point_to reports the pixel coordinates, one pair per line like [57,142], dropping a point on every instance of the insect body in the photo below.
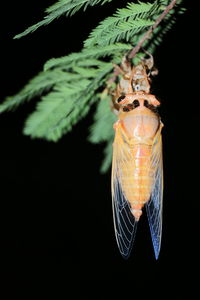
[137,171]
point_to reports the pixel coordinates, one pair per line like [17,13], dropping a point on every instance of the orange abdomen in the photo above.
[140,127]
[136,179]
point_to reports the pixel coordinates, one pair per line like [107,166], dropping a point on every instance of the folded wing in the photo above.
[124,222]
[155,204]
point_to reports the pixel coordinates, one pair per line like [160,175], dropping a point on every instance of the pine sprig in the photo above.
[104,118]
[102,129]
[124,31]
[107,160]
[72,6]
[46,80]
[123,24]
[87,53]
[66,105]
[36,86]
[61,7]
[53,108]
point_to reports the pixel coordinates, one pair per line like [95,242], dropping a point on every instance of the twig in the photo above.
[148,33]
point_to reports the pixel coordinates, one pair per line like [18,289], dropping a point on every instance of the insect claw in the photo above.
[154,72]
[118,69]
[149,62]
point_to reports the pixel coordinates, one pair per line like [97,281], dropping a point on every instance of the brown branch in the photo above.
[151,29]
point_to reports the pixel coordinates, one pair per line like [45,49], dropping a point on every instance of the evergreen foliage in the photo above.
[94,52]
[69,85]
[61,7]
[102,128]
[65,105]
[124,23]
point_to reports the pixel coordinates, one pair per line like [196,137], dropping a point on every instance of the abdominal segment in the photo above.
[136,179]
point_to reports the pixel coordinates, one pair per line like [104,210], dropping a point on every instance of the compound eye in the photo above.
[146,103]
[137,87]
[136,103]
[121,98]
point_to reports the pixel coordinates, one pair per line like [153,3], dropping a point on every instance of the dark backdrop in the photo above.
[56,209]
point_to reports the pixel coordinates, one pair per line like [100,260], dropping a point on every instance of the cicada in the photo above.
[137,165]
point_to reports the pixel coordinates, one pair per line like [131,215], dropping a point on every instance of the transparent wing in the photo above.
[124,222]
[154,205]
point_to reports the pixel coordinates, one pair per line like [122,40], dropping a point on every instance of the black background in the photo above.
[56,209]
